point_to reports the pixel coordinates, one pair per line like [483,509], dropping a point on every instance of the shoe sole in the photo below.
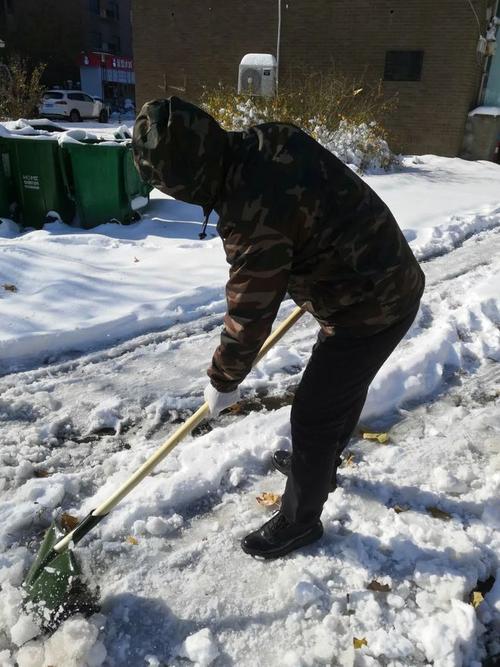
[301,541]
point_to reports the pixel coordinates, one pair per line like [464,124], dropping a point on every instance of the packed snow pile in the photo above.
[74,644]
[200,648]
[105,336]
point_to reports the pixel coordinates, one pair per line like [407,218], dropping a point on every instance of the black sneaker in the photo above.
[278,536]
[282,461]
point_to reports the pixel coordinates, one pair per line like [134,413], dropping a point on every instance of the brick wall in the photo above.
[203,43]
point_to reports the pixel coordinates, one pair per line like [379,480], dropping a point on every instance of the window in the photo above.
[114,45]
[95,6]
[87,98]
[51,95]
[76,97]
[95,40]
[403,65]
[113,11]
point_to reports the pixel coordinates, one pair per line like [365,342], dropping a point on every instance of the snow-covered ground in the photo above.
[105,336]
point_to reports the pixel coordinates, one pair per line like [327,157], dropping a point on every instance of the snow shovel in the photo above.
[54,586]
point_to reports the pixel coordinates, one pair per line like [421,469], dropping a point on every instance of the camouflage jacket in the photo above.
[293,219]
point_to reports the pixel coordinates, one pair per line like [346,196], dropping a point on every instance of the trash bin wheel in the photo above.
[15,212]
[74,116]
[103,116]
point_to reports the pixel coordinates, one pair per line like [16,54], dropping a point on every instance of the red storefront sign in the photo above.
[106,61]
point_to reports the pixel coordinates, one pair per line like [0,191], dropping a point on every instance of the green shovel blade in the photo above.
[53,585]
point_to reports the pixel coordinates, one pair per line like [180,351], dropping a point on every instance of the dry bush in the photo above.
[21,89]
[345,115]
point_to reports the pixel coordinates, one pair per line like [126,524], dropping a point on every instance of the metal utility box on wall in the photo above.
[482,134]
[257,75]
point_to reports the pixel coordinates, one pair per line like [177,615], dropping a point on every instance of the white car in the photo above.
[72,105]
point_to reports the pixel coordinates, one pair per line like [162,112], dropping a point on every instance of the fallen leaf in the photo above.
[359,643]
[40,473]
[9,288]
[378,587]
[400,508]
[68,522]
[350,460]
[235,409]
[476,598]
[267,499]
[132,540]
[381,438]
[438,514]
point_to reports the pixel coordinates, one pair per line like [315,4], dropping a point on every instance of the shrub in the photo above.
[20,89]
[346,116]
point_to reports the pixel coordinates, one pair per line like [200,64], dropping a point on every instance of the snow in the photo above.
[485,111]
[493,597]
[24,629]
[306,592]
[80,289]
[9,229]
[139,202]
[104,345]
[44,129]
[86,289]
[74,644]
[200,648]
[258,60]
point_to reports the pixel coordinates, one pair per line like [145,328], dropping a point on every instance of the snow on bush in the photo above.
[361,145]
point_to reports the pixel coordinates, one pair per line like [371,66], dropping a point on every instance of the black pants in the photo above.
[326,409]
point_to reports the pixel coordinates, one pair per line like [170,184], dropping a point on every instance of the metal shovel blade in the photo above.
[54,585]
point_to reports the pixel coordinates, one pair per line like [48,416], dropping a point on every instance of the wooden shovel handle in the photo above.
[169,444]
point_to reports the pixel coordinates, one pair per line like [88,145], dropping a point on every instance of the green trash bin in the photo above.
[39,185]
[7,191]
[104,182]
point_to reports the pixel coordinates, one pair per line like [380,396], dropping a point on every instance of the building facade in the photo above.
[423,50]
[85,44]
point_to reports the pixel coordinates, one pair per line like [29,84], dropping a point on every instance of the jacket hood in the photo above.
[179,149]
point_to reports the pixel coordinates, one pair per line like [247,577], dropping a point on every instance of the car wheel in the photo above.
[74,116]
[103,116]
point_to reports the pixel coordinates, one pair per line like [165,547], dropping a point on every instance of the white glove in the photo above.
[218,400]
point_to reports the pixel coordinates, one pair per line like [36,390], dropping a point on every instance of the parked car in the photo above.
[72,105]
[106,105]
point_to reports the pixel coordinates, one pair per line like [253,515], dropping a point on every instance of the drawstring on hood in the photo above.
[203,234]
[179,149]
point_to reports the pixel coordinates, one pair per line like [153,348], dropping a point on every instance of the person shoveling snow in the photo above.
[293,218]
